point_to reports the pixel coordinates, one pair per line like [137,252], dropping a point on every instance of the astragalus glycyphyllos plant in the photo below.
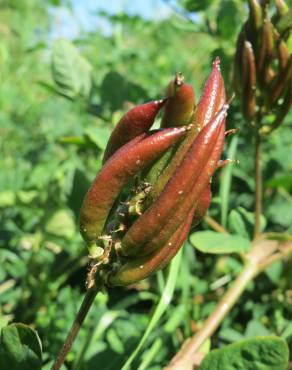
[154,185]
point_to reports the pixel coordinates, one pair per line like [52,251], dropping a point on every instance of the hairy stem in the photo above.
[83,311]
[258,184]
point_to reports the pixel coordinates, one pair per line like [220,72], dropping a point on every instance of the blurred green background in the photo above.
[68,71]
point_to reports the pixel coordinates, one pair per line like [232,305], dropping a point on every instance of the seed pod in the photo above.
[282,7]
[256,15]
[179,108]
[195,163]
[125,163]
[202,206]
[193,199]
[278,85]
[141,268]
[213,96]
[265,54]
[135,122]
[249,82]
[212,100]
[283,54]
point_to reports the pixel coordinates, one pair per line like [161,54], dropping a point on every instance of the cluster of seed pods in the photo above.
[263,63]
[154,185]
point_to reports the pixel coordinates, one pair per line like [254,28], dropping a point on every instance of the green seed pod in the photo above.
[255,15]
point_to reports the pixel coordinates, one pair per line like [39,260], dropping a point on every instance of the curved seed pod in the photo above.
[249,82]
[212,100]
[193,165]
[202,206]
[191,200]
[265,53]
[125,163]
[256,15]
[141,268]
[213,97]
[180,104]
[136,121]
[283,54]
[278,85]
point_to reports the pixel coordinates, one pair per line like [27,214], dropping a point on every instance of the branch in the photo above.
[215,225]
[83,311]
[262,255]
[258,184]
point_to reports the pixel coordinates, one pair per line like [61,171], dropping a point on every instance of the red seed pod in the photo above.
[125,163]
[213,97]
[141,268]
[202,206]
[194,171]
[195,199]
[249,82]
[135,122]
[180,104]
[211,102]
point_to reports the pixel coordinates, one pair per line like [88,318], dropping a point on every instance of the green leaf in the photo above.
[236,224]
[71,72]
[259,353]
[249,217]
[255,328]
[225,181]
[61,224]
[98,135]
[228,19]
[216,243]
[7,198]
[195,6]
[20,348]
[160,308]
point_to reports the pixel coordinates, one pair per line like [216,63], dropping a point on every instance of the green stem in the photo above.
[83,311]
[258,184]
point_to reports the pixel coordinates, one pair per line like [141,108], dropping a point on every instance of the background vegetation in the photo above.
[52,139]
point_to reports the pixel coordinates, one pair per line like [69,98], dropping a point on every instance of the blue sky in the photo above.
[84,16]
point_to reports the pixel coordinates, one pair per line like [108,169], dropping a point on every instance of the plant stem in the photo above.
[215,225]
[184,357]
[258,184]
[84,308]
[261,256]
